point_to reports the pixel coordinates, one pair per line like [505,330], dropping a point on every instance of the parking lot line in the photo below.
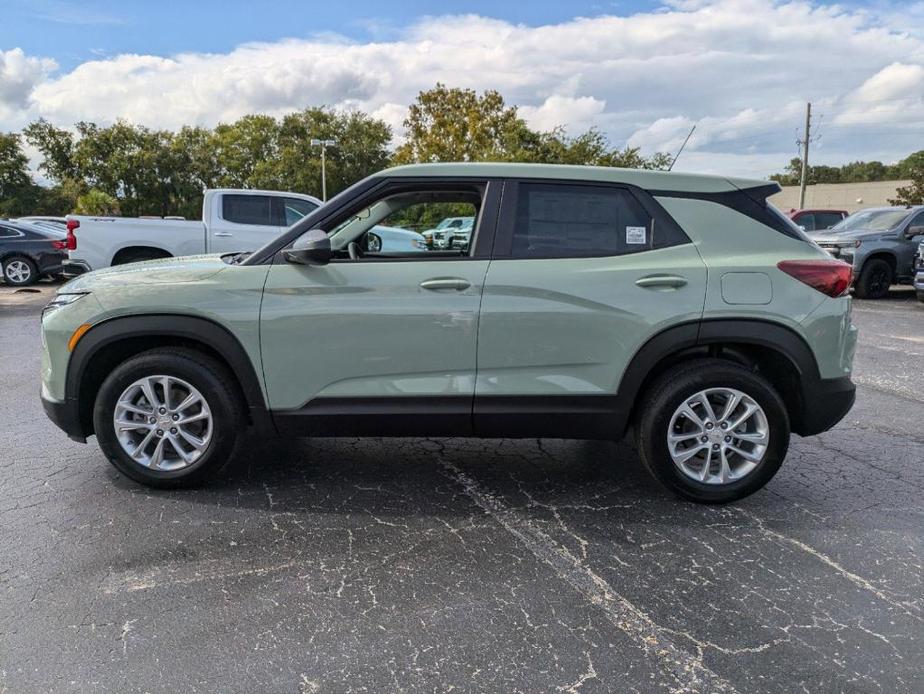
[687,670]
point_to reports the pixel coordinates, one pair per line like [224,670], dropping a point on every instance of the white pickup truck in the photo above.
[232,220]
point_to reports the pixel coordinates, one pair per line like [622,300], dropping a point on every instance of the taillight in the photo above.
[71,243]
[831,277]
[59,245]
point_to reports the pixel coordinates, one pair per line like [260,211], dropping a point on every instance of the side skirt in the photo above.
[573,417]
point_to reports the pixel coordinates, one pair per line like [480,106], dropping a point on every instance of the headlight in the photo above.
[63,300]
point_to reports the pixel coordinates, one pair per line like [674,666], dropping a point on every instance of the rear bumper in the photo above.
[72,268]
[66,417]
[825,404]
[51,263]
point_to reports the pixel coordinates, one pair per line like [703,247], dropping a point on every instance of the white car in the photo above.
[232,221]
[452,232]
[385,239]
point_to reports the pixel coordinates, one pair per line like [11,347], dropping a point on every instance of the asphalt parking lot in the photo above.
[435,565]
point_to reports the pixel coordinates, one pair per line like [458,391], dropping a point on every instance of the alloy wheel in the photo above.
[163,423]
[718,436]
[18,271]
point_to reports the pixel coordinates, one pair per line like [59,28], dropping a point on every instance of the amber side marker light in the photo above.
[75,338]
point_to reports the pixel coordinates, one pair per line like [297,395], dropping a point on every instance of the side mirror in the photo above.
[911,232]
[311,248]
[373,243]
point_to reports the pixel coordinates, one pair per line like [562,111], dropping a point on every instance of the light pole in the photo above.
[324,144]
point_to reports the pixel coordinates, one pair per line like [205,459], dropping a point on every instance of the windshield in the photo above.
[876,220]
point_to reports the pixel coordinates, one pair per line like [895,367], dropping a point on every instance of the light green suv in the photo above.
[590,301]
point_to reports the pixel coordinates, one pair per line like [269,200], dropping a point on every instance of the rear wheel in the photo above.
[20,271]
[712,431]
[168,417]
[874,280]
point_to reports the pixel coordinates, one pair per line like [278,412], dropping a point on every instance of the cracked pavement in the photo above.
[438,564]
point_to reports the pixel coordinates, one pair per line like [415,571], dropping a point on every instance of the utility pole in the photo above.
[805,152]
[324,144]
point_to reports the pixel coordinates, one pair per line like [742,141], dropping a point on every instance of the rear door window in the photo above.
[248,209]
[571,221]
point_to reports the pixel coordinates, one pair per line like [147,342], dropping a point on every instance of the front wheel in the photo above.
[874,280]
[712,431]
[168,417]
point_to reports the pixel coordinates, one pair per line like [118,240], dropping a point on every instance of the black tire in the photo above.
[670,390]
[874,280]
[210,378]
[14,261]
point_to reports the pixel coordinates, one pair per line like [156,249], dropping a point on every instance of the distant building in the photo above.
[839,196]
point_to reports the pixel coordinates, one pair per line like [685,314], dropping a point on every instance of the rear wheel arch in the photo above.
[112,342]
[772,349]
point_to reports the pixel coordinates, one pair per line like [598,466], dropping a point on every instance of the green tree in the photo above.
[15,181]
[447,124]
[361,149]
[97,202]
[913,193]
[57,148]
[450,124]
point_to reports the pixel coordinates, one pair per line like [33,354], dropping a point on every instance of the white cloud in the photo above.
[740,69]
[19,75]
[577,113]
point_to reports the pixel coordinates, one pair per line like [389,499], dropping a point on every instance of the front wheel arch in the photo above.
[112,342]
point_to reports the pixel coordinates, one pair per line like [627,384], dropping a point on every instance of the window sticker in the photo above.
[636,234]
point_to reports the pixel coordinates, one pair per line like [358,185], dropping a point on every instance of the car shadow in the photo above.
[404,476]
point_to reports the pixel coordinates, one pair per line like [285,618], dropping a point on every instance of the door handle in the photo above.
[661,281]
[223,233]
[441,283]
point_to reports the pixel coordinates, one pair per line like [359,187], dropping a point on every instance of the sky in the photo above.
[642,72]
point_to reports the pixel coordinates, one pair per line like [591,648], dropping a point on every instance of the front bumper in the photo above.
[846,254]
[65,416]
[825,404]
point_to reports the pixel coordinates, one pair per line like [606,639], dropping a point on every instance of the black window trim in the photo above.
[484,230]
[751,202]
[662,224]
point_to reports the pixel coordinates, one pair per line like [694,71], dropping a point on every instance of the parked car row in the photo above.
[880,243]
[30,250]
[919,273]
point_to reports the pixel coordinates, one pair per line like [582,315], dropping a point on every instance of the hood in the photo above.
[833,235]
[161,271]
